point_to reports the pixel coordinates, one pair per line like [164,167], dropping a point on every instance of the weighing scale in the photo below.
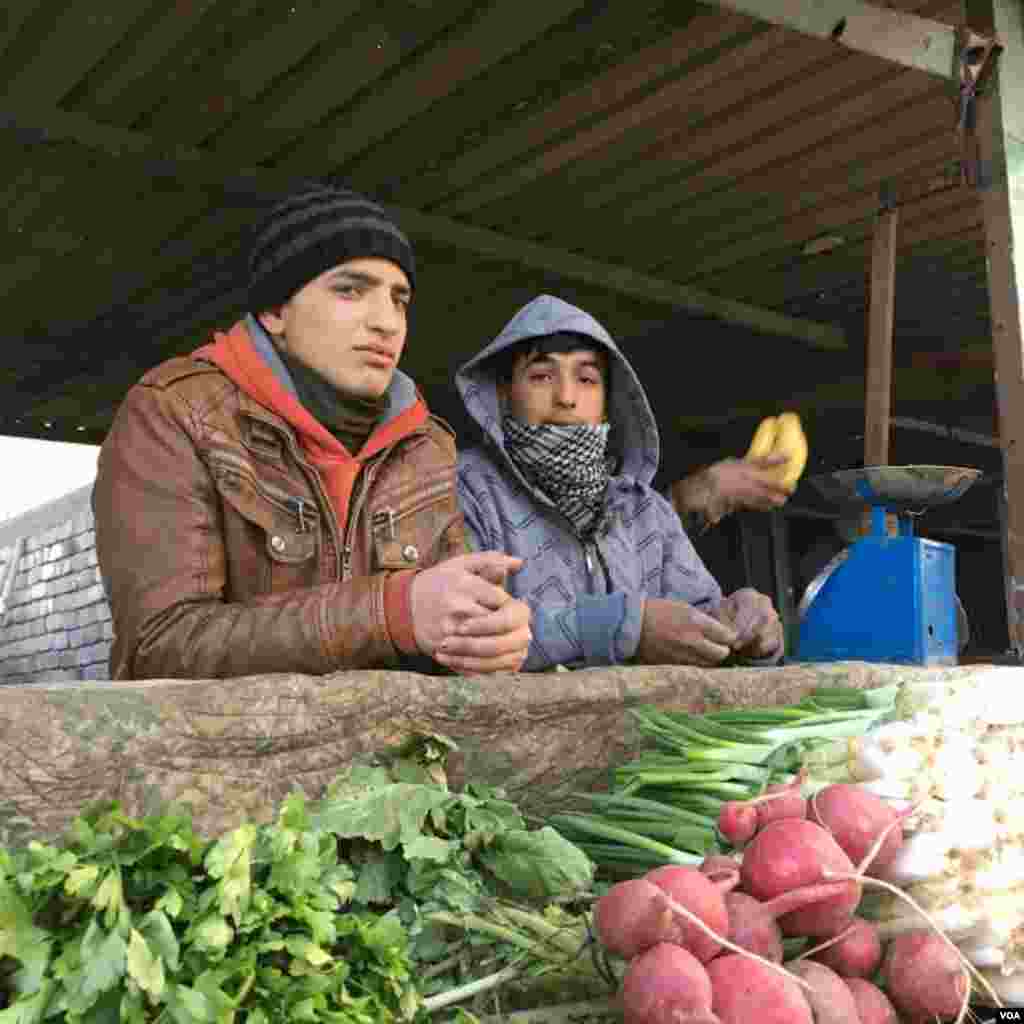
[886,598]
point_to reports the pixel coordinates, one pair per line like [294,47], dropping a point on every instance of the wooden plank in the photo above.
[839,166]
[832,219]
[905,39]
[66,51]
[881,308]
[947,216]
[53,223]
[1000,129]
[15,14]
[690,110]
[116,87]
[592,113]
[796,115]
[133,80]
[498,32]
[351,62]
[646,189]
[737,208]
[198,109]
[126,260]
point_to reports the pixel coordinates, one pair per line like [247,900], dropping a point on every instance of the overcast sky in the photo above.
[35,472]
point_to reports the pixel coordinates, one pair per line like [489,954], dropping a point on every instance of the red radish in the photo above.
[752,925]
[737,821]
[831,1001]
[856,818]
[666,985]
[745,991]
[703,898]
[633,916]
[716,862]
[924,976]
[786,802]
[791,854]
[857,954]
[873,1005]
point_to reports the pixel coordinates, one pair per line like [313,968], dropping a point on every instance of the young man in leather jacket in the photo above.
[281,499]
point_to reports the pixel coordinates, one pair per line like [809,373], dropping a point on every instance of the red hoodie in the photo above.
[236,355]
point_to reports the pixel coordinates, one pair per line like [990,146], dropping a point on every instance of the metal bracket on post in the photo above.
[976,56]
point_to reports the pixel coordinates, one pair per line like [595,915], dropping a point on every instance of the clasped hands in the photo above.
[465,619]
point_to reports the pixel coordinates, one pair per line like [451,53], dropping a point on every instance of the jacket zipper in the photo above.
[313,476]
[357,507]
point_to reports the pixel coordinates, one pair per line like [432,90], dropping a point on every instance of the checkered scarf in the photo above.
[566,463]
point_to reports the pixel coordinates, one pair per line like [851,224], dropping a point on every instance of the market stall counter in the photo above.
[232,749]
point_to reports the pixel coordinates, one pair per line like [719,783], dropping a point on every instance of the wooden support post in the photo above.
[878,371]
[998,126]
[881,306]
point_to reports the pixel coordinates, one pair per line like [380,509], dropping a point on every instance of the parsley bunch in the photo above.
[342,912]
[138,921]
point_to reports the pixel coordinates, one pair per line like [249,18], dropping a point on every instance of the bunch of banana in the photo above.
[781,435]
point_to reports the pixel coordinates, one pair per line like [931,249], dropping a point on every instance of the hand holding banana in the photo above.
[778,436]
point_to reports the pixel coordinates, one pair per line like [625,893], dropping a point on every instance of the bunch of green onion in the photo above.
[664,806]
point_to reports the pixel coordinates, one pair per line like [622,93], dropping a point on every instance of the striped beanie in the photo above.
[312,230]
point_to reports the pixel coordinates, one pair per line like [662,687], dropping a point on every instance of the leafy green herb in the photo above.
[352,911]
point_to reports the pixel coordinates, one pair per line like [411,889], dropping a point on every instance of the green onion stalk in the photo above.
[664,805]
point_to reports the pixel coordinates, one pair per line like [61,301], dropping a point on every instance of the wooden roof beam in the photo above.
[896,36]
[195,169]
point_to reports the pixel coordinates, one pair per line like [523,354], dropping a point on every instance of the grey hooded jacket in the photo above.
[587,600]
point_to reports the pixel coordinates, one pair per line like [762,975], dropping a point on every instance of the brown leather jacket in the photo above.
[218,546]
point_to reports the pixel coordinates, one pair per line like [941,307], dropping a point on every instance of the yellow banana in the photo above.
[790,440]
[764,438]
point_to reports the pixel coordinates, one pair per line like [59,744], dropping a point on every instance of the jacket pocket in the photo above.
[410,537]
[271,537]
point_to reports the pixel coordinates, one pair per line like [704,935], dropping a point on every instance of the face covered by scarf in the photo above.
[568,464]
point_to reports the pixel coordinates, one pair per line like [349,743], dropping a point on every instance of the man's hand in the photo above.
[464,619]
[676,633]
[748,483]
[758,627]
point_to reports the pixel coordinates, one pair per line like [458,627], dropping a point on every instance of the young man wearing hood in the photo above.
[281,500]
[563,481]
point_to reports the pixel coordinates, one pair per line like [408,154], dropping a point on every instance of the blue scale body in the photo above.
[891,600]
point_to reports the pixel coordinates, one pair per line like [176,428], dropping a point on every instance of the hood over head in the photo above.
[633,437]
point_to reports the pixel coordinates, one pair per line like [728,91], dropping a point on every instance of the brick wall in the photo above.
[57,626]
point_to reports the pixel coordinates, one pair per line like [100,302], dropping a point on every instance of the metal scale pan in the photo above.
[901,489]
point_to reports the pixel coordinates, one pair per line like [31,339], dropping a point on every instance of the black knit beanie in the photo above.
[312,230]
